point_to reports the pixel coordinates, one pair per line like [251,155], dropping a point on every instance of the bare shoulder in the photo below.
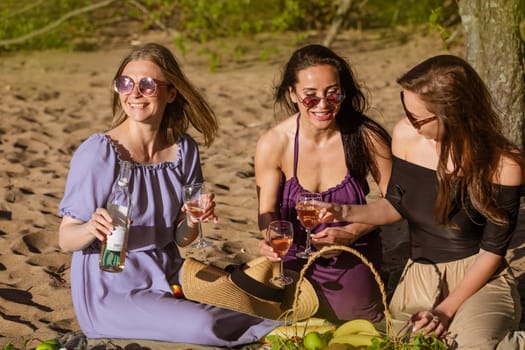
[275,139]
[510,172]
[404,137]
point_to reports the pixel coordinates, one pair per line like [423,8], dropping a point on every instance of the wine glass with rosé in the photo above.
[196,199]
[308,209]
[279,235]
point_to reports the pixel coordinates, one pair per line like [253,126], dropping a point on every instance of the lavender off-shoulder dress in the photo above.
[138,302]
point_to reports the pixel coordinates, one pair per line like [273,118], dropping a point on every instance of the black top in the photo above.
[413,189]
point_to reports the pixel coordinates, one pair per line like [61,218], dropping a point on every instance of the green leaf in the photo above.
[8,346]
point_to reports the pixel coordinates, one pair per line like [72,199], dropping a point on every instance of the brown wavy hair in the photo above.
[472,134]
[189,106]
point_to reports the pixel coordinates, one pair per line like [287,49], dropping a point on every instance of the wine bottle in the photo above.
[114,246]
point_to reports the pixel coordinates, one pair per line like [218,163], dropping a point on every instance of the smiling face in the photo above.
[320,81]
[141,108]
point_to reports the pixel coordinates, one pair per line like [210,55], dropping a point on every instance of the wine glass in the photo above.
[308,213]
[196,199]
[279,234]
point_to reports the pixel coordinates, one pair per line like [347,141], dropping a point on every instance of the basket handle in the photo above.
[377,278]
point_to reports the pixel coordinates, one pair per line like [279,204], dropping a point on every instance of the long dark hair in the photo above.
[472,133]
[351,120]
[189,106]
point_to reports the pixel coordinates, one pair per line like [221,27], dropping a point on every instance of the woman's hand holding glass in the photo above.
[199,204]
[208,213]
[308,209]
[266,250]
[333,212]
[279,235]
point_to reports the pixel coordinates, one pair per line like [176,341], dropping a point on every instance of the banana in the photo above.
[356,327]
[352,339]
[313,321]
[300,330]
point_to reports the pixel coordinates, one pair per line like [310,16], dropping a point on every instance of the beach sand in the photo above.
[53,100]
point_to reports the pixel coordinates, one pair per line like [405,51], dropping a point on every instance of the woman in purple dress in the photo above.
[327,146]
[153,105]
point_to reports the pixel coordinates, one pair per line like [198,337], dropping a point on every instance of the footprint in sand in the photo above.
[47,95]
[232,247]
[35,243]
[245,174]
[76,126]
[223,187]
[21,297]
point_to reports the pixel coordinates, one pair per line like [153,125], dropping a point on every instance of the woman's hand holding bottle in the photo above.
[100,225]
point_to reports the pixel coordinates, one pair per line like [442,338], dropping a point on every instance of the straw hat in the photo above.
[247,289]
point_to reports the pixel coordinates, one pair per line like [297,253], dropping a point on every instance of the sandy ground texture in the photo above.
[53,100]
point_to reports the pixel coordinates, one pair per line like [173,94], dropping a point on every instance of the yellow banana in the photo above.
[356,327]
[313,321]
[352,339]
[300,330]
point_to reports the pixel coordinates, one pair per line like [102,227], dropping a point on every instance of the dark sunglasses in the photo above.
[416,123]
[331,99]
[147,86]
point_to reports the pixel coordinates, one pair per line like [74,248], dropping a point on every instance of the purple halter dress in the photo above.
[345,286]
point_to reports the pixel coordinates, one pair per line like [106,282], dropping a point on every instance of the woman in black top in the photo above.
[456,179]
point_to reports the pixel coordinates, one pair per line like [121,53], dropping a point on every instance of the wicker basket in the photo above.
[388,317]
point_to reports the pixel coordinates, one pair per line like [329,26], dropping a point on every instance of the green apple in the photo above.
[313,341]
[51,344]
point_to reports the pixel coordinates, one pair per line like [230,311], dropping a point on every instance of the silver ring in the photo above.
[435,320]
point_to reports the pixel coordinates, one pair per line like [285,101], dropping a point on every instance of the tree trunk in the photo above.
[343,9]
[495,50]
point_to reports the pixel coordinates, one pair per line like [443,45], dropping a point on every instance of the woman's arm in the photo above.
[346,235]
[380,212]
[74,234]
[340,235]
[268,174]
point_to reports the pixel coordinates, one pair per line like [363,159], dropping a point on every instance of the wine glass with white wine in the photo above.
[196,199]
[308,209]
[279,235]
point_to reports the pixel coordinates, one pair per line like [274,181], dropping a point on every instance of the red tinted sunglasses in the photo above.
[147,86]
[331,99]
[416,123]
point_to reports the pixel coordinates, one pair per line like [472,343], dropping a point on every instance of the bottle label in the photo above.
[115,241]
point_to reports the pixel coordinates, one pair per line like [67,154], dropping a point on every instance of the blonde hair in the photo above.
[189,106]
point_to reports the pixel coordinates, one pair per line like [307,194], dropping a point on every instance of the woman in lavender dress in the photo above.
[153,105]
[327,146]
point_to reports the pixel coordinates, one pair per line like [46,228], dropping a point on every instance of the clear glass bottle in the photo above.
[113,250]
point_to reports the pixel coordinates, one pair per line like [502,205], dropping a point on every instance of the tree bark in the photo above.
[495,49]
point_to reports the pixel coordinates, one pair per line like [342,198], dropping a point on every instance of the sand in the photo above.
[53,100]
